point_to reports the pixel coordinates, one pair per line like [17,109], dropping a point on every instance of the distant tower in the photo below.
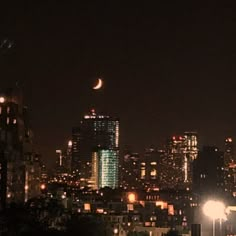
[63,163]
[95,150]
[190,154]
[177,163]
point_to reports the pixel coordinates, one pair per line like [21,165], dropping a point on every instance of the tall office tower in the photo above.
[208,171]
[95,150]
[15,146]
[229,167]
[173,164]
[12,137]
[68,161]
[190,154]
[130,171]
[150,168]
[177,162]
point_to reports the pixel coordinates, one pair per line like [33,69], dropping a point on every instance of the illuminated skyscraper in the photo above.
[176,164]
[63,164]
[95,150]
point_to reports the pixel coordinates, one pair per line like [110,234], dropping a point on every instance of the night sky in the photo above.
[167,67]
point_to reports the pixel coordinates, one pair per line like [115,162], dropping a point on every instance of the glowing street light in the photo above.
[214,210]
[115,231]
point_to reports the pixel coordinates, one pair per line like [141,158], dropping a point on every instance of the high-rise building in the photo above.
[177,162]
[150,168]
[16,150]
[12,134]
[95,150]
[209,171]
[63,164]
[130,171]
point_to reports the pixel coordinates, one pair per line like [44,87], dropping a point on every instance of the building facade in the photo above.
[130,171]
[177,162]
[16,148]
[229,167]
[209,171]
[95,151]
[150,168]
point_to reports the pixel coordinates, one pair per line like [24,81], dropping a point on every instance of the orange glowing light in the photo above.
[43,186]
[171,210]
[131,197]
[162,204]
[87,207]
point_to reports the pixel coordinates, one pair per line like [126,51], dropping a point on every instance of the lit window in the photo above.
[143,173]
[2,99]
[8,110]
[0,110]
[14,121]
[8,120]
[153,172]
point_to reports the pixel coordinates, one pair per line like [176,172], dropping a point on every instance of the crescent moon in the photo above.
[98,85]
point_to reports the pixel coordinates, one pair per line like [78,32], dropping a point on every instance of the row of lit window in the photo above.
[8,121]
[1,110]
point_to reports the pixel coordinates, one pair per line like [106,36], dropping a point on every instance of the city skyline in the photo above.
[117,118]
[167,68]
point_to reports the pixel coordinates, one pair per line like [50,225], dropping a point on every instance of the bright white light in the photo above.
[214,210]
[70,143]
[2,99]
[115,231]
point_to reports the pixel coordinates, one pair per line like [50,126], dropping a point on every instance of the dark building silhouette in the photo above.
[209,171]
[130,171]
[150,168]
[17,158]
